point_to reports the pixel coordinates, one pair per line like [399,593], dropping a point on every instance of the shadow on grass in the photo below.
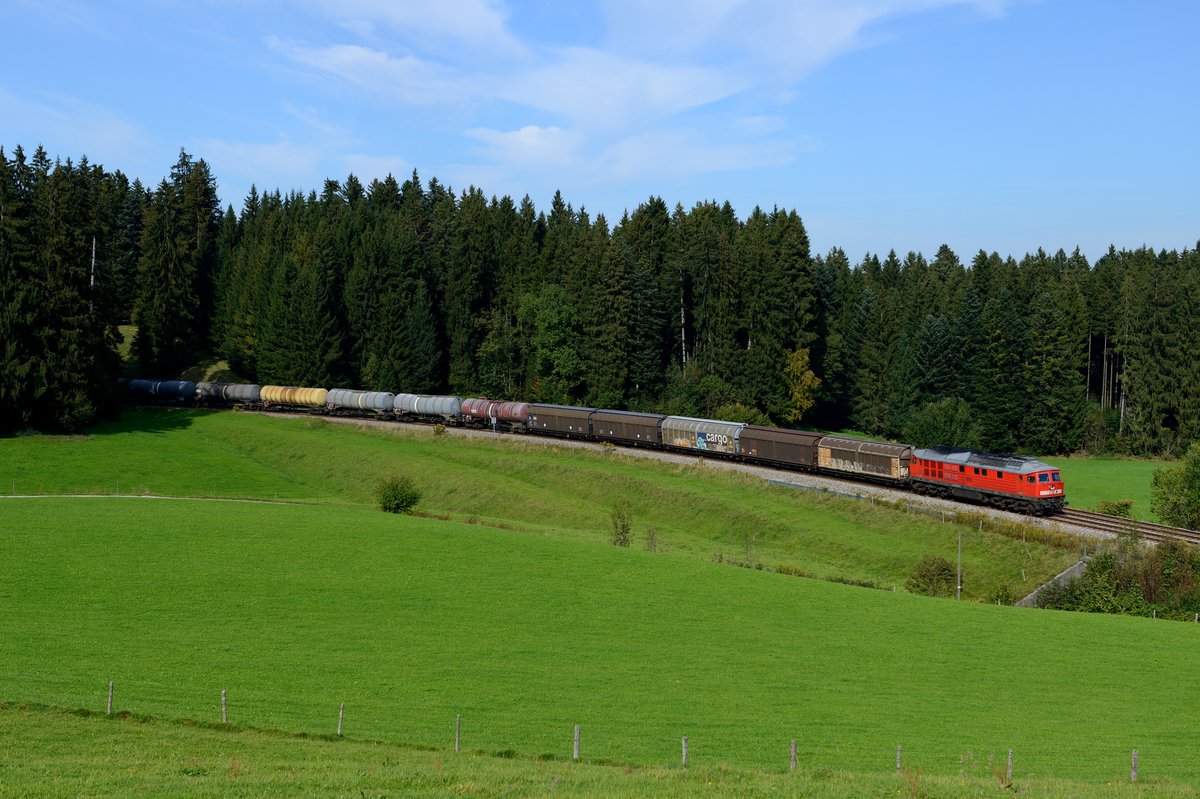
[155,421]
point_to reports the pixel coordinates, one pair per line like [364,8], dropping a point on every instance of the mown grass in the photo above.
[1090,480]
[695,510]
[294,609]
[49,753]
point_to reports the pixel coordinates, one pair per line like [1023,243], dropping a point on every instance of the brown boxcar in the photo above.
[776,445]
[878,459]
[560,420]
[627,427]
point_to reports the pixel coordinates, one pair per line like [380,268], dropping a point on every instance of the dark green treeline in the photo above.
[415,287]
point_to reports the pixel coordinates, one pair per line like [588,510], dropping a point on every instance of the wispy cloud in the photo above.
[624,104]
[73,127]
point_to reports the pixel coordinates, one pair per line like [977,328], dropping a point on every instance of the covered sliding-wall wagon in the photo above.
[627,427]
[776,445]
[878,459]
[560,420]
[708,435]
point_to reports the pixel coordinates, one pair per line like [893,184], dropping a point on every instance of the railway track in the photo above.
[1117,526]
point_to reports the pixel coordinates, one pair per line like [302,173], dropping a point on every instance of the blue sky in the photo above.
[997,124]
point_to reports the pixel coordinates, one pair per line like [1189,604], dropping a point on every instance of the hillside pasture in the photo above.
[695,510]
[295,609]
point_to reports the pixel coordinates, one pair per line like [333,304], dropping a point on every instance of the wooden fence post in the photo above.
[224,711]
[110,693]
[793,761]
[575,749]
[341,715]
[1133,770]
[899,749]
[685,751]
[457,730]
[1008,774]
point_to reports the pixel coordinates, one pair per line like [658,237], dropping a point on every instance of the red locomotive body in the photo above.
[1004,481]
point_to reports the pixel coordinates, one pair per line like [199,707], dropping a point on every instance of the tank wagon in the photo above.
[168,391]
[295,395]
[228,393]
[353,400]
[421,405]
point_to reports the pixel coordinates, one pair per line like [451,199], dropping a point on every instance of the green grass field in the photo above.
[528,623]
[295,609]
[49,753]
[696,510]
[1090,480]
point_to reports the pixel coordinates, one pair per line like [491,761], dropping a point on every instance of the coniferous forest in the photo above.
[415,286]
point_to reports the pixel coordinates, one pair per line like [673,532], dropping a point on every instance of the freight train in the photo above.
[1009,482]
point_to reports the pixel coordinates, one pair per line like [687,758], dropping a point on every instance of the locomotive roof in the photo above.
[1007,463]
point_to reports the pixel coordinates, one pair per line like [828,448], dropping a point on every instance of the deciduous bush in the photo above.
[622,526]
[932,576]
[1116,507]
[397,494]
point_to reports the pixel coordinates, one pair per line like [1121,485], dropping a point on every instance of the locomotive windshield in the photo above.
[1043,477]
[1055,477]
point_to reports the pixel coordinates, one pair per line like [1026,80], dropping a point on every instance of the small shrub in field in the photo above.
[652,540]
[397,494]
[439,429]
[932,576]
[1116,507]
[1001,595]
[622,526]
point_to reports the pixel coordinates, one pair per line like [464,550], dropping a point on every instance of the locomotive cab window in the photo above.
[1043,477]
[1029,478]
[962,468]
[1055,477]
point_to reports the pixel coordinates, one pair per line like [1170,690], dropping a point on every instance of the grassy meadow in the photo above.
[506,604]
[1090,480]
[695,510]
[49,753]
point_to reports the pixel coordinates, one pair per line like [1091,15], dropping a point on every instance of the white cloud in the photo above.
[408,78]
[478,24]
[606,90]
[529,147]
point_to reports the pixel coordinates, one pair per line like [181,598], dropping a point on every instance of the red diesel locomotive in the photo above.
[1009,482]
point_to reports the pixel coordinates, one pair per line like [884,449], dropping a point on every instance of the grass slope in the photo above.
[50,754]
[295,609]
[696,510]
[1090,480]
